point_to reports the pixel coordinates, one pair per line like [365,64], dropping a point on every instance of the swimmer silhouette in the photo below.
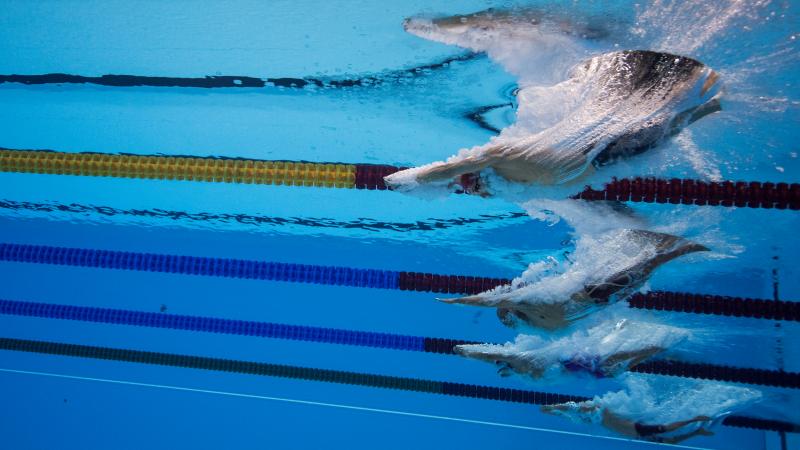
[611,106]
[511,23]
[605,350]
[671,416]
[599,283]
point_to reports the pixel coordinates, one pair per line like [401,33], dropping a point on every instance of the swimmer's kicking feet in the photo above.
[669,414]
[638,430]
[611,277]
[619,104]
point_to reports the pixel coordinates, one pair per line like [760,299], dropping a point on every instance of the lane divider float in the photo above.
[370,278]
[392,341]
[370,176]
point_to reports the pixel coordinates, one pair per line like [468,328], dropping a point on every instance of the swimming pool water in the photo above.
[409,122]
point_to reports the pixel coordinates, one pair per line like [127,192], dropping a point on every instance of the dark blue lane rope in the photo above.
[382,279]
[214,325]
[778,378]
[195,265]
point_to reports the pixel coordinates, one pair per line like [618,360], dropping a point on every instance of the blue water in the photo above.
[754,138]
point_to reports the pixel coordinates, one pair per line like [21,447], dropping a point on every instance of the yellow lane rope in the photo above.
[179,168]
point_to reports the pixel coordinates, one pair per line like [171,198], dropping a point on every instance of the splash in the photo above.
[603,350]
[686,27]
[603,269]
[647,400]
[544,48]
[700,160]
[595,260]
[611,107]
[536,45]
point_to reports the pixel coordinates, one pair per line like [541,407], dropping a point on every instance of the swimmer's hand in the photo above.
[402,181]
[410,179]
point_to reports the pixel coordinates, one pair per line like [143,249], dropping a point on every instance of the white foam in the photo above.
[561,128]
[686,26]
[701,161]
[652,401]
[595,259]
[607,339]
[537,53]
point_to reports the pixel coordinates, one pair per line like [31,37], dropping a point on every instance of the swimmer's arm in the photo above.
[635,356]
[449,170]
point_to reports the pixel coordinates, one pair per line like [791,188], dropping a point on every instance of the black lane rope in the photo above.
[765,377]
[370,278]
[228,81]
[363,223]
[332,376]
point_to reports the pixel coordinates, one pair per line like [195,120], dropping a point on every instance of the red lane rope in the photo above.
[741,194]
[752,194]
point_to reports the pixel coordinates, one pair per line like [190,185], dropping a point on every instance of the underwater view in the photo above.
[467,224]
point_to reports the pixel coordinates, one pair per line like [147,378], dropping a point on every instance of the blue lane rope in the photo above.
[214,325]
[197,265]
[778,378]
[370,278]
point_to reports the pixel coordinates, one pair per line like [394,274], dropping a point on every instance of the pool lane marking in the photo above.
[740,194]
[335,405]
[372,339]
[302,373]
[369,278]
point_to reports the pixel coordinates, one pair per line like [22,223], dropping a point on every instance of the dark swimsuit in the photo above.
[590,365]
[649,430]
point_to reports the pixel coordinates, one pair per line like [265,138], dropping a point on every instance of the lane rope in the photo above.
[370,176]
[370,278]
[220,81]
[331,376]
[766,377]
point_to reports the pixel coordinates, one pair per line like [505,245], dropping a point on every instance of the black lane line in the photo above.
[227,81]
[367,224]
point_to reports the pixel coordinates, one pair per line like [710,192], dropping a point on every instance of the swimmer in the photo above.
[671,416]
[612,268]
[474,30]
[603,351]
[612,106]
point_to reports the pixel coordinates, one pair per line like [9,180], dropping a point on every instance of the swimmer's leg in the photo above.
[680,438]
